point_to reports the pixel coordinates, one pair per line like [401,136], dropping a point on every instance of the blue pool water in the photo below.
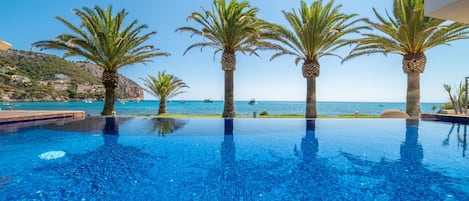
[240,159]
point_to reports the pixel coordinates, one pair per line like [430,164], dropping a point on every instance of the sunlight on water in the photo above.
[52,155]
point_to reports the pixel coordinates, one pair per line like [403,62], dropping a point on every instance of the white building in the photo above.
[455,10]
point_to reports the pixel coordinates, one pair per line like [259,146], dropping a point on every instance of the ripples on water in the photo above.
[236,159]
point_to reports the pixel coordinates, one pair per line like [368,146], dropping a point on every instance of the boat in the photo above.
[182,101]
[252,102]
[87,101]
[208,100]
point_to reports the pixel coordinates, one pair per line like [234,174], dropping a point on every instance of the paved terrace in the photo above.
[37,116]
[456,118]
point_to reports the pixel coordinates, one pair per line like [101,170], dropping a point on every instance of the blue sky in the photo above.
[369,78]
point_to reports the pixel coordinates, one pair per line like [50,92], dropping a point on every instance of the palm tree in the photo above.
[165,126]
[451,97]
[409,33]
[229,28]
[104,39]
[317,31]
[164,87]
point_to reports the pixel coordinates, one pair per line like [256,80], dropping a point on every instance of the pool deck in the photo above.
[22,116]
[456,118]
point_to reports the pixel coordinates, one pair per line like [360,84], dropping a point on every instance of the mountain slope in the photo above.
[31,76]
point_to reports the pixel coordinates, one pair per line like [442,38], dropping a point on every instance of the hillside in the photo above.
[31,76]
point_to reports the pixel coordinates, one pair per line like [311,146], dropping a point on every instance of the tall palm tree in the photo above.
[409,33]
[103,38]
[163,87]
[317,30]
[229,28]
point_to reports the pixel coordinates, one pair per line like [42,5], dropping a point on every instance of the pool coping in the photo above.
[23,116]
[446,118]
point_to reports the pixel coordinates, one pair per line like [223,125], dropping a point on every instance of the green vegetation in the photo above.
[229,28]
[457,99]
[409,33]
[263,113]
[37,67]
[164,87]
[447,106]
[316,31]
[42,70]
[106,40]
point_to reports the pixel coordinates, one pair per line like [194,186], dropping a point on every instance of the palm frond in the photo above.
[316,30]
[164,86]
[103,39]
[231,26]
[407,31]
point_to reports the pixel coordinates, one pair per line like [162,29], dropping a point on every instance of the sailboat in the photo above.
[252,102]
[182,99]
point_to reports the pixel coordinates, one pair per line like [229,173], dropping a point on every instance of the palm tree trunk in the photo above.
[110,80]
[413,94]
[228,109]
[228,63]
[413,64]
[109,99]
[311,98]
[448,89]
[162,108]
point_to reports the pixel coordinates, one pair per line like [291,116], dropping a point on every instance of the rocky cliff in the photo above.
[128,88]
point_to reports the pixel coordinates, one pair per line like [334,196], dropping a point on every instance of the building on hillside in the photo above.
[90,88]
[20,79]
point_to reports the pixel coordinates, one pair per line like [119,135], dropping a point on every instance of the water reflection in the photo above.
[411,150]
[461,137]
[312,178]
[110,132]
[164,126]
[309,143]
[407,178]
[110,172]
[229,188]
[228,149]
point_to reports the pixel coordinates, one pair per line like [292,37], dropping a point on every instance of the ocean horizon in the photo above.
[200,107]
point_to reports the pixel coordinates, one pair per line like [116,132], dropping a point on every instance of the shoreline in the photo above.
[288,116]
[178,101]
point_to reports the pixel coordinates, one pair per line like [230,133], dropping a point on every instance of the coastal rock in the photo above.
[394,114]
[129,88]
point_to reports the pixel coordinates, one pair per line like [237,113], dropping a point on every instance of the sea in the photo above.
[147,107]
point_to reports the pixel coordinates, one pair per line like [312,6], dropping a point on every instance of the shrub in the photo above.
[447,106]
[264,113]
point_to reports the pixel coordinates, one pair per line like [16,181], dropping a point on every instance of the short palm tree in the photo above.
[104,39]
[409,33]
[163,87]
[229,28]
[317,30]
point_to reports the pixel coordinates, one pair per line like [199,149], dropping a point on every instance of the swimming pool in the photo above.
[235,159]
